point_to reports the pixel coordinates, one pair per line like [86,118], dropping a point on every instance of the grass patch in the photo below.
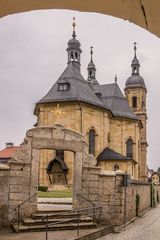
[56,194]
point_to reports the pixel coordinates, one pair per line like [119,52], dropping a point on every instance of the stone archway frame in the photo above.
[56,137]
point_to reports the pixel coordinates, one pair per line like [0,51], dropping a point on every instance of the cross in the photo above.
[58,112]
[74,23]
[91,52]
[116,78]
[135,48]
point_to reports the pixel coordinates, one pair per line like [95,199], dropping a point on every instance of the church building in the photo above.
[114,125]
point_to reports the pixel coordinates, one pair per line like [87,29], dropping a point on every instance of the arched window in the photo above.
[116,167]
[76,56]
[92,141]
[129,148]
[90,74]
[72,56]
[135,70]
[134,102]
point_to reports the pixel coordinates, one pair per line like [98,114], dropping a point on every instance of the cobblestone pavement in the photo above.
[146,227]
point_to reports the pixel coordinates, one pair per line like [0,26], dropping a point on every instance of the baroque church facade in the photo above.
[114,125]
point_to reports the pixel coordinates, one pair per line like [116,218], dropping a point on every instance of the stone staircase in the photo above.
[57,220]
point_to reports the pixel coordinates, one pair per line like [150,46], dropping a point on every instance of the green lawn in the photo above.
[56,194]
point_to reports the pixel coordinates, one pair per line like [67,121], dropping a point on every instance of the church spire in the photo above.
[91,68]
[91,52]
[73,48]
[115,78]
[135,80]
[135,63]
[135,49]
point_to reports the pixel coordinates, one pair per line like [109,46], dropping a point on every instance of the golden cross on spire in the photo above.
[135,48]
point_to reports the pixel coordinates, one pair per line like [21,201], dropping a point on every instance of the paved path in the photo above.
[144,228]
[56,200]
[54,204]
[8,234]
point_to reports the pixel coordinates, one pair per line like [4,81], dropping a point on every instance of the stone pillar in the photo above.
[4,194]
[19,188]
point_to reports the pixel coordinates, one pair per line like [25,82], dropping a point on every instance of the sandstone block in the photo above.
[15,188]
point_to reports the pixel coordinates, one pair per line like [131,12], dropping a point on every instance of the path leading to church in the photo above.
[144,228]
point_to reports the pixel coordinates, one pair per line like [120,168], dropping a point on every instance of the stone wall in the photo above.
[105,188]
[4,193]
[155,195]
[19,189]
[143,191]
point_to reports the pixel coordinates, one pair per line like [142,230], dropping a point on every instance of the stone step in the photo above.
[57,227]
[56,201]
[54,207]
[30,221]
[54,214]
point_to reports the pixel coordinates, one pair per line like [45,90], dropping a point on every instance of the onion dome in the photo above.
[135,80]
[73,48]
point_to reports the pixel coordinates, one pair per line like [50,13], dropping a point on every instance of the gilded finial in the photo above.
[91,52]
[115,78]
[135,48]
[74,26]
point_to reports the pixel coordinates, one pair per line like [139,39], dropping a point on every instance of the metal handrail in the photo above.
[69,220]
[19,205]
[93,205]
[71,211]
[79,195]
[19,208]
[45,218]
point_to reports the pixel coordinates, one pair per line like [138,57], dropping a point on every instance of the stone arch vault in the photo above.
[144,13]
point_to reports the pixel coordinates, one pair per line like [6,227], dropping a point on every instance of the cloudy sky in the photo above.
[33,55]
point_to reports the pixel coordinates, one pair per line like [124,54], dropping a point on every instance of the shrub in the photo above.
[137,203]
[42,188]
[154,196]
[157,197]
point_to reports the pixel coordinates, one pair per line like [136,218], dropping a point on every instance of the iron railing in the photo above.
[77,219]
[18,208]
[89,201]
[85,212]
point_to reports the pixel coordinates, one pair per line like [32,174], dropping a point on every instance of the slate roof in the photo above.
[109,154]
[135,81]
[80,90]
[113,99]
